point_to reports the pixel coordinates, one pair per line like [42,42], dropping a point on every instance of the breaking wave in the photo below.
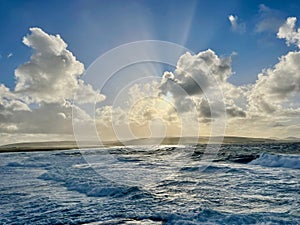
[277,160]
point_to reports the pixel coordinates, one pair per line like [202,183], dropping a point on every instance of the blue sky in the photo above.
[92,27]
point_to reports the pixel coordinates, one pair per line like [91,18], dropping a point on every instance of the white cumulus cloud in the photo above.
[197,77]
[289,32]
[52,74]
[276,85]
[45,87]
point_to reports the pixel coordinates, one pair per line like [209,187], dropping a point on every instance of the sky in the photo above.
[250,48]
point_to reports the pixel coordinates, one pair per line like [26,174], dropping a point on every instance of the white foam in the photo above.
[277,160]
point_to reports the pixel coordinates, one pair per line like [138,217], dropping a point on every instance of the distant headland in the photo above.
[66,145]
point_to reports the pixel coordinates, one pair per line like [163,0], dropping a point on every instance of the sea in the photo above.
[184,185]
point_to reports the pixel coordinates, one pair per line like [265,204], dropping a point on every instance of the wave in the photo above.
[85,181]
[277,160]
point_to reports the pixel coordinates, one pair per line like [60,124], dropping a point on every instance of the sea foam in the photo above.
[277,160]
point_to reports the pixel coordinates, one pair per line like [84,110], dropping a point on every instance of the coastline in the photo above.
[68,145]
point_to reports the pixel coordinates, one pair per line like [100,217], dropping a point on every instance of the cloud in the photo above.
[197,73]
[236,25]
[288,32]
[9,106]
[199,82]
[51,118]
[9,101]
[52,74]
[12,138]
[45,87]
[86,94]
[276,85]
[197,91]
[17,117]
[269,20]
[235,111]
[108,115]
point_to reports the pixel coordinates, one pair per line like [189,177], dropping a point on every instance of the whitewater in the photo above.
[238,184]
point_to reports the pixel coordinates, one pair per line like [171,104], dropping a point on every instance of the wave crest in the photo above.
[277,160]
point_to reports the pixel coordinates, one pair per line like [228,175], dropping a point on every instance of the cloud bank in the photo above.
[45,87]
[41,102]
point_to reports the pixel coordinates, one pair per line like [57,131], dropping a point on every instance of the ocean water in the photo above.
[239,184]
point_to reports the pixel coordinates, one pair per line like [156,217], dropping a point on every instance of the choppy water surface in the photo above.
[241,184]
